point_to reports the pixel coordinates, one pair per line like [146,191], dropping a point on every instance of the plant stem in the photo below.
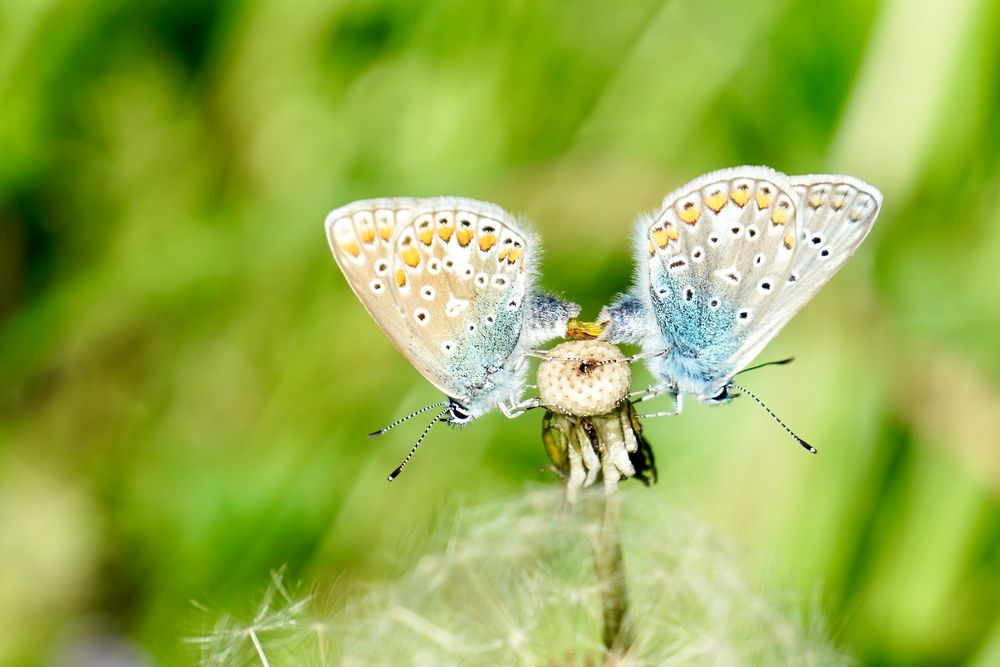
[609,566]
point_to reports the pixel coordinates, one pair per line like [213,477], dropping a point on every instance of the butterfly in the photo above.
[725,263]
[452,282]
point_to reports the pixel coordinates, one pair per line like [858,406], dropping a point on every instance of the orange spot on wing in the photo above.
[779,216]
[487,241]
[445,232]
[716,200]
[385,231]
[513,255]
[763,199]
[367,235]
[411,256]
[789,240]
[426,236]
[351,247]
[464,236]
[662,237]
[690,213]
[740,195]
[400,277]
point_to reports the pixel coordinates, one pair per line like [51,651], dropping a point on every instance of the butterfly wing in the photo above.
[360,236]
[836,213]
[460,279]
[713,256]
[453,289]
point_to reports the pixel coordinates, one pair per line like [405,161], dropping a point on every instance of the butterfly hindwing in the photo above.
[460,278]
[715,252]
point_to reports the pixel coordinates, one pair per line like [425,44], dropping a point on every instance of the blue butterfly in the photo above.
[725,263]
[452,282]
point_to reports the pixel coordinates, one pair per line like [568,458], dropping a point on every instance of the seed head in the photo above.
[574,381]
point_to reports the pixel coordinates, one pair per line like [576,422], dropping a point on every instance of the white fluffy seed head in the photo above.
[572,381]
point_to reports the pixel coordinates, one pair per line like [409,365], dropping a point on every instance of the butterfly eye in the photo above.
[722,395]
[457,414]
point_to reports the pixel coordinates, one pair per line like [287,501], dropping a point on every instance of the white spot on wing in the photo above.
[455,307]
[729,275]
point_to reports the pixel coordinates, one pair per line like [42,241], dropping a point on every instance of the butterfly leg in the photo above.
[511,409]
[650,392]
[678,402]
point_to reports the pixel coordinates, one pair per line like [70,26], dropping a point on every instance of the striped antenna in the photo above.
[805,445]
[395,473]
[399,421]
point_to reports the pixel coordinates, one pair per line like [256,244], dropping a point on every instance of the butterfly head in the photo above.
[457,414]
[719,394]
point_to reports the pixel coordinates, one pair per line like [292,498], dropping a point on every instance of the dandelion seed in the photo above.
[691,600]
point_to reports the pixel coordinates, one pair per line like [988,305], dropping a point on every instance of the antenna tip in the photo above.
[375,434]
[394,474]
[805,445]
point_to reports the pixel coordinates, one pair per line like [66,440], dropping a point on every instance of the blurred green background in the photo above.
[186,379]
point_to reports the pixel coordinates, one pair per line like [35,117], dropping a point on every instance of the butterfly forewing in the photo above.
[836,213]
[360,236]
[460,279]
[716,252]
